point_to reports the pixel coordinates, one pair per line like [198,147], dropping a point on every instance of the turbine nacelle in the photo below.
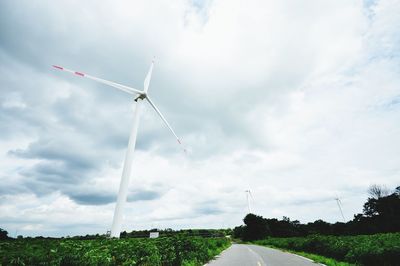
[141,96]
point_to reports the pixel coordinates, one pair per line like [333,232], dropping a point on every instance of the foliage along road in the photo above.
[253,255]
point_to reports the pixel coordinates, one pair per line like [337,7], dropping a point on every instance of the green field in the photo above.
[177,250]
[368,250]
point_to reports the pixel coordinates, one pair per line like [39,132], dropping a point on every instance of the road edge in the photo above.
[293,253]
[219,254]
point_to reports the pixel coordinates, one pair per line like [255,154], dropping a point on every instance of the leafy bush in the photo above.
[177,250]
[369,250]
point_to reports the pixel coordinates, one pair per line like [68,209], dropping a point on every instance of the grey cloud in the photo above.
[143,195]
[15,118]
[53,150]
[103,197]
[208,208]
[55,173]
[11,187]
[92,198]
[63,162]
[61,27]
[48,177]
[62,159]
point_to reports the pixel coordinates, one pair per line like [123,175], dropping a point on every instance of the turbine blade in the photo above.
[339,203]
[109,83]
[165,121]
[148,77]
[251,195]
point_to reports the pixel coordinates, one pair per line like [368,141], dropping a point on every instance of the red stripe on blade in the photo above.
[58,67]
[79,74]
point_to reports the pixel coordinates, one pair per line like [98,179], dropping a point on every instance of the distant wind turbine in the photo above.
[339,204]
[140,95]
[248,195]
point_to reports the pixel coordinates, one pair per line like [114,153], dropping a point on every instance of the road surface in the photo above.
[252,255]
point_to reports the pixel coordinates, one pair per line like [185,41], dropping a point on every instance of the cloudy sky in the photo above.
[298,101]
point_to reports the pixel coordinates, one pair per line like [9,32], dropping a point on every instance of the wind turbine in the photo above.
[248,195]
[139,96]
[339,204]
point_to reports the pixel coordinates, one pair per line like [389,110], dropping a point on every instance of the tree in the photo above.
[378,191]
[397,191]
[385,206]
[3,234]
[370,207]
[383,213]
[319,227]
[123,234]
[238,232]
[256,227]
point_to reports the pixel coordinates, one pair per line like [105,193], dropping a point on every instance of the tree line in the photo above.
[139,234]
[184,232]
[381,214]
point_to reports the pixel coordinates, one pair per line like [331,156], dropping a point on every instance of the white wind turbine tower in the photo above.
[140,95]
[339,204]
[248,195]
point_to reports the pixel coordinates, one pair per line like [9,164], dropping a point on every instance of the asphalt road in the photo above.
[252,255]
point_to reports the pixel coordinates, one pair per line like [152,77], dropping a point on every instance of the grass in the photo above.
[322,259]
[368,250]
[315,257]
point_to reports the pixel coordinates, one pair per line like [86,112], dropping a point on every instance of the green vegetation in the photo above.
[169,232]
[177,250]
[379,249]
[322,259]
